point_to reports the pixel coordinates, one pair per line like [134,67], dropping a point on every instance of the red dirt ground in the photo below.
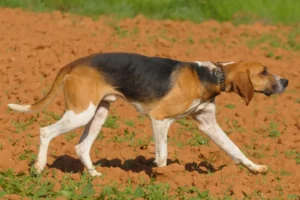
[34,46]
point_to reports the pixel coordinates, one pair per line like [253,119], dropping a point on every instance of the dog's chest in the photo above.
[196,106]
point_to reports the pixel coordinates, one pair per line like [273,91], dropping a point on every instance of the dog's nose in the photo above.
[284,82]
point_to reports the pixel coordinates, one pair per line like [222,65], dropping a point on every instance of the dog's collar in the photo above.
[221,78]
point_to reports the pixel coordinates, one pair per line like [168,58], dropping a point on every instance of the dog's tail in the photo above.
[49,97]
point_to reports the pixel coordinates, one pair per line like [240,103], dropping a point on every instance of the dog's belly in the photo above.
[196,106]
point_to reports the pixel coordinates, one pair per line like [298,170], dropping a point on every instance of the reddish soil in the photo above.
[34,46]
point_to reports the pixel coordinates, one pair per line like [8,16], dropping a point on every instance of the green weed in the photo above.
[111,122]
[293,197]
[128,136]
[70,136]
[100,136]
[130,123]
[293,154]
[121,32]
[273,132]
[22,126]
[197,140]
[230,106]
[234,126]
[27,155]
[52,115]
[190,40]
[188,125]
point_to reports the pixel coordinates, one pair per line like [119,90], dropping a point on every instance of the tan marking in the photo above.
[186,89]
[85,85]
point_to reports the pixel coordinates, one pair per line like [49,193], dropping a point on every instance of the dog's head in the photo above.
[247,77]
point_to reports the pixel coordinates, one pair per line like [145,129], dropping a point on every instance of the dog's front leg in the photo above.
[160,134]
[208,124]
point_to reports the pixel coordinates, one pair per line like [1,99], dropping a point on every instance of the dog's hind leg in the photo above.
[82,98]
[90,133]
[68,122]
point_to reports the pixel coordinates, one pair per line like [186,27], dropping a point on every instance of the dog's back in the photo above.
[139,78]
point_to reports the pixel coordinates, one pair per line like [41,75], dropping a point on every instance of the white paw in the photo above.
[95,173]
[39,167]
[262,169]
[259,168]
[161,162]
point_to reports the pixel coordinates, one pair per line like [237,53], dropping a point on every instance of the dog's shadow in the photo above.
[203,167]
[66,163]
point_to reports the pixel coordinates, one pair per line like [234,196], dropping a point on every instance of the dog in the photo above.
[162,89]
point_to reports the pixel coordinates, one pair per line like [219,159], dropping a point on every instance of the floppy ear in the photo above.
[243,87]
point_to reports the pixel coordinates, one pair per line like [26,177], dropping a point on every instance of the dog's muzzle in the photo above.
[284,82]
[277,88]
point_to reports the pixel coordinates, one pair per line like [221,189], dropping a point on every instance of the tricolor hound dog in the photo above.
[160,88]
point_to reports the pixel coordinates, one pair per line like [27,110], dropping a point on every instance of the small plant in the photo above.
[188,125]
[230,106]
[70,136]
[22,126]
[129,123]
[128,136]
[141,118]
[121,32]
[273,132]
[269,55]
[27,155]
[100,136]
[140,143]
[293,197]
[179,144]
[190,40]
[111,122]
[198,140]
[52,115]
[293,154]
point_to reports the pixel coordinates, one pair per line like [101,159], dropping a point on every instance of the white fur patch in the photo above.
[20,108]
[226,63]
[207,64]
[110,98]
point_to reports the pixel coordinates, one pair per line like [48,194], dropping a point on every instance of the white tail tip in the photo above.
[20,108]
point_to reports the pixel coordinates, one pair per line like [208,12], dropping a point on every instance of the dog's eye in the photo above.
[264,73]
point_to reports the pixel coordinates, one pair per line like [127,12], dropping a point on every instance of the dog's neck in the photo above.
[225,76]
[228,73]
[221,78]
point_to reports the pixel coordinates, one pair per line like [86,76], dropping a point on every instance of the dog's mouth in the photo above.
[268,93]
[276,89]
